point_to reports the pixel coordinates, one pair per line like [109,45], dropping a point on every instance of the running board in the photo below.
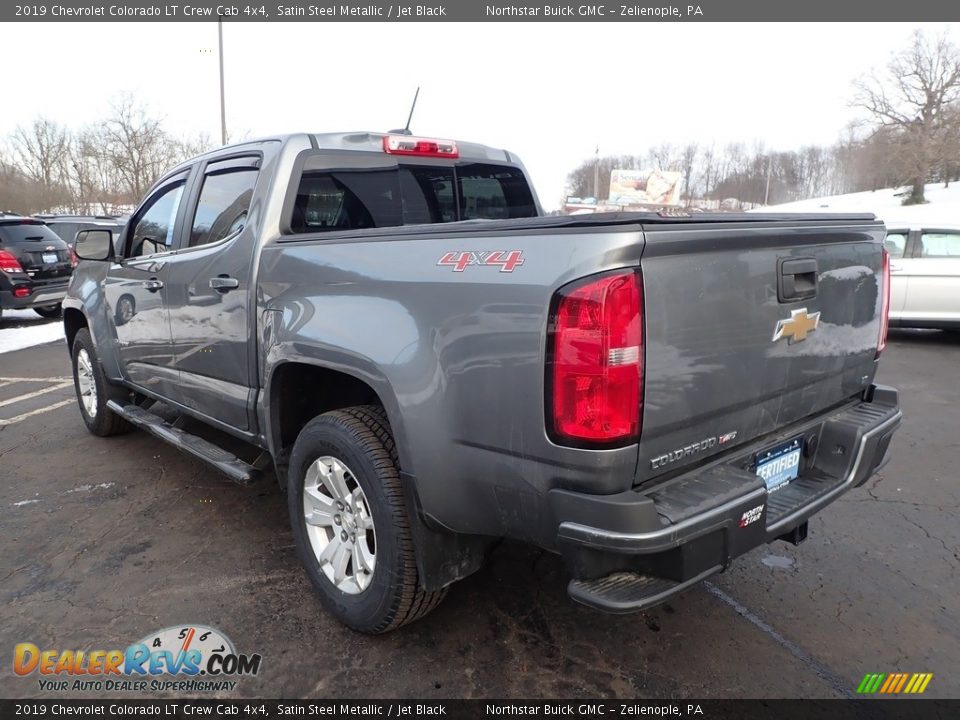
[218,458]
[626,592]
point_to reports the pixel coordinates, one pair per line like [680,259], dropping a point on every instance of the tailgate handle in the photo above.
[796,279]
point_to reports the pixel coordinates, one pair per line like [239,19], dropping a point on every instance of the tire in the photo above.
[50,311]
[88,373]
[359,439]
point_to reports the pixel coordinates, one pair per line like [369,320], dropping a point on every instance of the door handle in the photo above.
[224,283]
[895,268]
[796,279]
[153,284]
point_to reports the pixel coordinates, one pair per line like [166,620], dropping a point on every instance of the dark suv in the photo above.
[67,226]
[35,266]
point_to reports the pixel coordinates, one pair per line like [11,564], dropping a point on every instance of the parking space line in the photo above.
[48,408]
[35,393]
[9,380]
[840,684]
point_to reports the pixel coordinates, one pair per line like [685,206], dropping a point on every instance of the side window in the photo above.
[153,232]
[895,244]
[940,245]
[223,205]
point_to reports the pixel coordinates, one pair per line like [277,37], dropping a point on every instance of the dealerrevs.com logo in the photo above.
[190,658]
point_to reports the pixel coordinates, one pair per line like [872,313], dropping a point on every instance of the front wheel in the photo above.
[350,521]
[93,389]
[50,311]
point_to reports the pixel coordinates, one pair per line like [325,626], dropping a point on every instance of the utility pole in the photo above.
[766,193]
[596,173]
[223,107]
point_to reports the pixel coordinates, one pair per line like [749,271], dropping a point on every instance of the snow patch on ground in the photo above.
[88,488]
[21,329]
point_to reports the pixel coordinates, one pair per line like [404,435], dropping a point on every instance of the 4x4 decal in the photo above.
[460,260]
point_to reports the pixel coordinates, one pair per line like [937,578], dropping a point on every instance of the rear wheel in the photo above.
[93,389]
[50,311]
[350,522]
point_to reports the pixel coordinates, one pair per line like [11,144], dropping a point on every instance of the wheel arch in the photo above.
[297,390]
[73,321]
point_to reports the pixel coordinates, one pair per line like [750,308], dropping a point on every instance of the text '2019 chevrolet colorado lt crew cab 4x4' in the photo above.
[429,366]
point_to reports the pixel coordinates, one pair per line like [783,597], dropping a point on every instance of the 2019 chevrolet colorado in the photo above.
[429,365]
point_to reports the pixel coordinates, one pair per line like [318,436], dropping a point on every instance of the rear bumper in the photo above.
[632,550]
[41,296]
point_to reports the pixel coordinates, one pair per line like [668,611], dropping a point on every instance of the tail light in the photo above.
[74,260]
[422,147]
[21,291]
[884,302]
[595,361]
[9,262]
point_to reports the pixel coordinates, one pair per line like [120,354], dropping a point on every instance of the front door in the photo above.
[136,293]
[896,244]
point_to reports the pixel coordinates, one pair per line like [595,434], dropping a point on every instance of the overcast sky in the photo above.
[551,92]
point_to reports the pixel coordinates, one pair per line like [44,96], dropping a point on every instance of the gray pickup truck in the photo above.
[427,364]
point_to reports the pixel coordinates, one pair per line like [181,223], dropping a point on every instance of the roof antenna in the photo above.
[406,129]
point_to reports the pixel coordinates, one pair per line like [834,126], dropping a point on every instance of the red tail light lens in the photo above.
[9,263]
[595,366]
[21,291]
[884,302]
[73,256]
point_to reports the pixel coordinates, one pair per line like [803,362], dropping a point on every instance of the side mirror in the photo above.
[94,245]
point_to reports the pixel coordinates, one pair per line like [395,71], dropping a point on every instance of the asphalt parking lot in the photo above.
[107,540]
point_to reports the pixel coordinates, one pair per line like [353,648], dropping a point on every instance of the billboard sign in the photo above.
[645,187]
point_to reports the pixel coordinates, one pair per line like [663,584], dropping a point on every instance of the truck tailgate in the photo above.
[751,327]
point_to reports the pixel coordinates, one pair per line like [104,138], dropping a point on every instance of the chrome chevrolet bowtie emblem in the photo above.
[797,326]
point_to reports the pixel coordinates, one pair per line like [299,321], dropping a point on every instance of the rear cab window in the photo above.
[409,194]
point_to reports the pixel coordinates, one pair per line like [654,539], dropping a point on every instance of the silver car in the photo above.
[925,273]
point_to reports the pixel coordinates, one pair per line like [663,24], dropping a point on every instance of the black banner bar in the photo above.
[876,709]
[483,11]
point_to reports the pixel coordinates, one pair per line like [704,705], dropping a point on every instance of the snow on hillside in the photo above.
[942,206]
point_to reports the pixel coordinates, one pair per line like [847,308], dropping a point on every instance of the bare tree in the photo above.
[911,98]
[19,193]
[688,162]
[137,146]
[709,170]
[40,153]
